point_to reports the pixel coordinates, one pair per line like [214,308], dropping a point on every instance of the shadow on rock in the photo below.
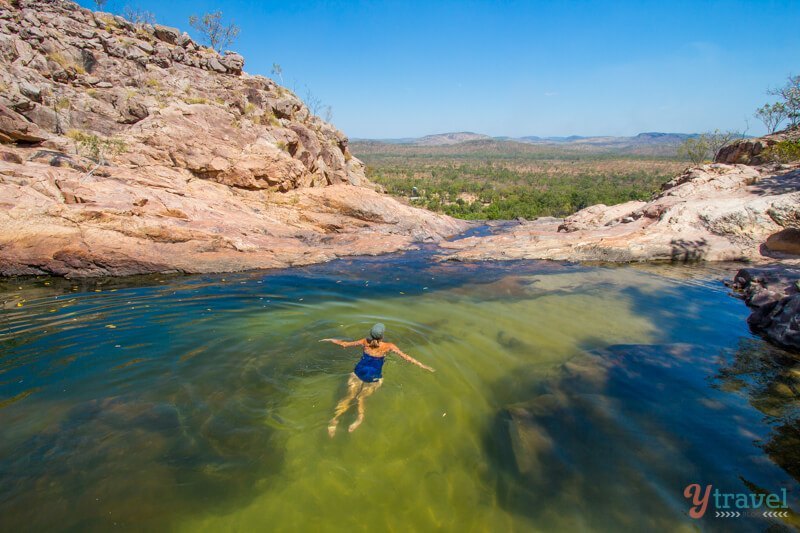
[778,183]
[684,251]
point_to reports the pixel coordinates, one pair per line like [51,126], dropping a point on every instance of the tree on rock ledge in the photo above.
[771,115]
[217,35]
[790,94]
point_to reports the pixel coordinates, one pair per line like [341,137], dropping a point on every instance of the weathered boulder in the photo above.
[751,151]
[31,91]
[233,62]
[214,64]
[166,34]
[785,241]
[15,128]
[285,106]
[773,294]
[745,152]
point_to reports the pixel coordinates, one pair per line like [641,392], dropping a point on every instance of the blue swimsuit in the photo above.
[369,368]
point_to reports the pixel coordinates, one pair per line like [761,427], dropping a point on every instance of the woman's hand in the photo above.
[327,340]
[429,369]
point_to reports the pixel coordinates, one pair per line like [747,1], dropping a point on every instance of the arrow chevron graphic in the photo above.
[776,514]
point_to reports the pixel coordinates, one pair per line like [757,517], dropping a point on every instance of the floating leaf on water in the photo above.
[111,326]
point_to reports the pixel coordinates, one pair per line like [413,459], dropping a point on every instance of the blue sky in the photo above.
[396,69]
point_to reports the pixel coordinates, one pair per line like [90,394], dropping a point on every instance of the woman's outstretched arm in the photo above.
[398,351]
[344,344]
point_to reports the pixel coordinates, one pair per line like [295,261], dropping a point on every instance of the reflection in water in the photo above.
[769,378]
[565,397]
[627,428]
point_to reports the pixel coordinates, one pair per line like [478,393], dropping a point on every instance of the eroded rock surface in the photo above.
[773,294]
[132,149]
[752,151]
[59,220]
[715,212]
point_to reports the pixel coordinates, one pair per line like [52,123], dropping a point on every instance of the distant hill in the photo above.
[643,144]
[444,139]
[439,139]
[648,143]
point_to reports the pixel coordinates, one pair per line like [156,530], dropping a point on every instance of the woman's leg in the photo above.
[366,390]
[353,386]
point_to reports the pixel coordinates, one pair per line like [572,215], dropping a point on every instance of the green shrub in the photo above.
[62,61]
[783,152]
[62,104]
[250,109]
[504,194]
[191,100]
[95,147]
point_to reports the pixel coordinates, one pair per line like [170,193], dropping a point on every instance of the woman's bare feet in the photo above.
[355,424]
[332,429]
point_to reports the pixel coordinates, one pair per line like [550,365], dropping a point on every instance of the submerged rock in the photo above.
[620,431]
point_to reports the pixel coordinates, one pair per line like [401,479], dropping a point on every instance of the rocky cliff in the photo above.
[129,148]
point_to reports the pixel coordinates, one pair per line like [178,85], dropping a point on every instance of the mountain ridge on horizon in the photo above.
[451,138]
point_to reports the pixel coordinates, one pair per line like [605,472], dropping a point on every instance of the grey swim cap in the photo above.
[377,331]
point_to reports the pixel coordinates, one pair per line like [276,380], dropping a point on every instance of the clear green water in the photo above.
[566,398]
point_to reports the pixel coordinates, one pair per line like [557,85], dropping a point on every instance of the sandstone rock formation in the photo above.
[751,151]
[715,212]
[773,294]
[785,241]
[131,148]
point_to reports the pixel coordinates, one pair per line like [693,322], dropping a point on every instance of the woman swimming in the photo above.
[366,376]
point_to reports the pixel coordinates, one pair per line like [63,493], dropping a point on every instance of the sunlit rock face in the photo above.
[753,151]
[714,212]
[131,148]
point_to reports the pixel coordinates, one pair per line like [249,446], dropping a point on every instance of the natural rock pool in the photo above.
[566,398]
